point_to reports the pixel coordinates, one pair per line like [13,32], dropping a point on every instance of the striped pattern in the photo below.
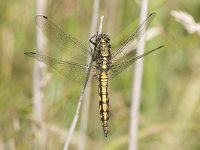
[104,101]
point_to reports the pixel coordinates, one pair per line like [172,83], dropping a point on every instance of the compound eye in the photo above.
[108,39]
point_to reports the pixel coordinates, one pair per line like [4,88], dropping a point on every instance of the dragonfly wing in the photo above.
[132,41]
[60,44]
[117,68]
[72,71]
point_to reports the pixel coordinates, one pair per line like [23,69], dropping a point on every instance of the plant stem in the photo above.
[137,83]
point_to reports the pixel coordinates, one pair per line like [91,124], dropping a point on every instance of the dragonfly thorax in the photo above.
[103,45]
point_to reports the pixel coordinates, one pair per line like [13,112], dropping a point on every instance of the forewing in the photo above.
[72,71]
[60,44]
[117,68]
[132,41]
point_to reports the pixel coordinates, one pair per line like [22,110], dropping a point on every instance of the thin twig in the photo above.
[87,98]
[137,83]
[75,119]
[100,26]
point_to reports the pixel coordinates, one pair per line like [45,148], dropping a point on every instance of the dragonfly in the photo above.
[68,56]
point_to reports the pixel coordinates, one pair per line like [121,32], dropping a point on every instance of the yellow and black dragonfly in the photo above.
[68,56]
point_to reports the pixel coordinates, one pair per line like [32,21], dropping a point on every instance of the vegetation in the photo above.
[170,114]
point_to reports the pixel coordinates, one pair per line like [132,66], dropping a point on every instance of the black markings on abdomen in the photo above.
[104,102]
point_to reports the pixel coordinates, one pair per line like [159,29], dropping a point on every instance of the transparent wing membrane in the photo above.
[60,44]
[132,41]
[68,56]
[72,71]
[117,68]
[65,54]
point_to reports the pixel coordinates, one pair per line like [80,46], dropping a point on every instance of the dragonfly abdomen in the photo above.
[104,101]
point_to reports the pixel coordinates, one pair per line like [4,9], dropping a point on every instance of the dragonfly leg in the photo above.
[93,42]
[91,39]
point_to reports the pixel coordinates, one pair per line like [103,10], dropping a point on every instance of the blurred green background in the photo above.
[170,114]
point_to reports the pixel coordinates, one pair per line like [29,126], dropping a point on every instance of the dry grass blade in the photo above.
[187,21]
[137,83]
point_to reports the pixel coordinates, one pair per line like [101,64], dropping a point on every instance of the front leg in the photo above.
[91,39]
[92,42]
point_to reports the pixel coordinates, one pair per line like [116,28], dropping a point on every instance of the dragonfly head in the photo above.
[103,39]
